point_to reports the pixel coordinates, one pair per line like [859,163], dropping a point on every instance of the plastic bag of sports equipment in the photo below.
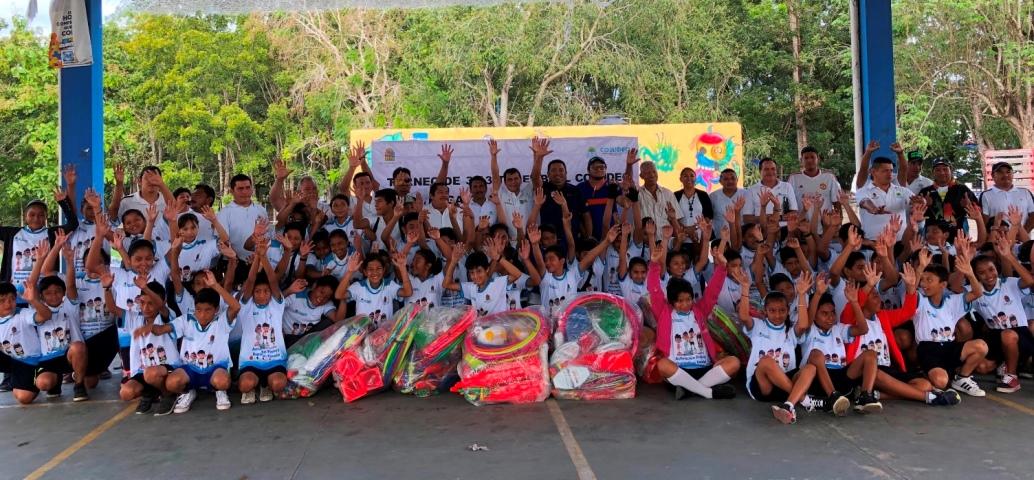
[505,359]
[596,338]
[369,368]
[430,366]
[311,359]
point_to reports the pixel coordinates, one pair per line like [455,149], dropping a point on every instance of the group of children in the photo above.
[197,300]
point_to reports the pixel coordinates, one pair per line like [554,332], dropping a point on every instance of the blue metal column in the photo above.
[876,63]
[81,112]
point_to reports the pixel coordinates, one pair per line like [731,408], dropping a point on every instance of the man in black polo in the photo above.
[946,197]
[556,173]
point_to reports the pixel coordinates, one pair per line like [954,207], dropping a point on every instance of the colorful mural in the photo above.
[708,148]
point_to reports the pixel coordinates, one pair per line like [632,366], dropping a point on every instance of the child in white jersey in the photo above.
[772,373]
[562,277]
[263,355]
[152,353]
[65,352]
[20,342]
[486,291]
[204,334]
[1007,334]
[691,361]
[374,295]
[942,358]
[825,348]
[18,241]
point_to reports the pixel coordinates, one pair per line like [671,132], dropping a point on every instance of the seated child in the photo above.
[824,349]
[19,340]
[374,295]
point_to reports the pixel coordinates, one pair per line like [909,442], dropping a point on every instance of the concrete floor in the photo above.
[393,436]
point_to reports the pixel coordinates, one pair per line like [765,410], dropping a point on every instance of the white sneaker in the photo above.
[248,397]
[184,401]
[265,394]
[1001,371]
[968,386]
[222,400]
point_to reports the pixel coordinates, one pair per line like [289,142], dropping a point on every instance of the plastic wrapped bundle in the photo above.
[505,359]
[596,338]
[431,363]
[310,361]
[727,332]
[369,368]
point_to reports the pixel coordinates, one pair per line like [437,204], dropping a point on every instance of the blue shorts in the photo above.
[199,380]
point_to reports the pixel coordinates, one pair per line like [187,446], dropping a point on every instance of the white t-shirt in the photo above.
[300,314]
[687,345]
[18,337]
[783,192]
[832,343]
[521,201]
[262,341]
[995,200]
[346,226]
[513,292]
[56,334]
[204,349]
[876,341]
[124,288]
[378,303]
[1002,307]
[775,342]
[136,202]
[555,290]
[150,350]
[93,315]
[427,292]
[239,222]
[24,245]
[197,256]
[81,240]
[919,184]
[895,200]
[486,209]
[441,219]
[720,202]
[594,278]
[825,184]
[632,290]
[488,300]
[204,227]
[936,323]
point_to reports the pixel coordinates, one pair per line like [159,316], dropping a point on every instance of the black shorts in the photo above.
[841,382]
[993,338]
[898,375]
[776,395]
[263,374]
[23,375]
[58,365]
[946,355]
[101,350]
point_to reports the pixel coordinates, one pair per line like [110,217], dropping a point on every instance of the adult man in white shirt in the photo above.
[241,215]
[361,186]
[479,202]
[770,181]
[514,195]
[655,201]
[726,197]
[306,187]
[152,191]
[911,176]
[814,182]
[880,200]
[1004,194]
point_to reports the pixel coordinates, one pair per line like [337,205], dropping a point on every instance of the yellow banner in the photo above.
[708,148]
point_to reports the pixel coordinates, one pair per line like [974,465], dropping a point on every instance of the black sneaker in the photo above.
[680,393]
[5,386]
[80,394]
[54,392]
[166,405]
[867,403]
[946,398]
[723,392]
[145,404]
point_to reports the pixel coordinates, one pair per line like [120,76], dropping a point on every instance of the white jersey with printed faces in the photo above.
[427,292]
[262,342]
[687,345]
[831,343]
[56,334]
[124,287]
[197,256]
[875,340]
[300,314]
[18,337]
[490,299]
[150,350]
[204,349]
[1002,306]
[24,245]
[555,289]
[775,342]
[936,323]
[378,303]
[93,313]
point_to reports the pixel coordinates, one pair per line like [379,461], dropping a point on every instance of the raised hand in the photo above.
[446,154]
[854,239]
[280,170]
[559,198]
[60,238]
[412,237]
[285,243]
[60,194]
[525,250]
[896,147]
[613,233]
[399,260]
[632,157]
[518,220]
[118,238]
[908,274]
[305,248]
[483,222]
[872,146]
[872,275]
[119,172]
[107,278]
[822,283]
[540,147]
[793,243]
[140,281]
[803,284]
[208,280]
[730,214]
[1014,215]
[354,262]
[666,232]
[493,147]
[69,174]
[534,235]
[739,203]
[718,252]
[740,277]
[851,292]
[540,196]
[356,155]
[261,227]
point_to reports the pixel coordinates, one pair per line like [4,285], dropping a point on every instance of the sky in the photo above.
[10,8]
